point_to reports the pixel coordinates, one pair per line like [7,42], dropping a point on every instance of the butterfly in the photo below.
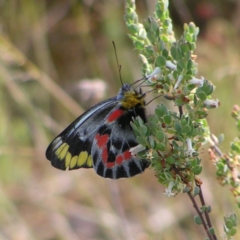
[102,138]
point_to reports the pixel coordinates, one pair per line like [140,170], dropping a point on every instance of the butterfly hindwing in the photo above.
[112,143]
[71,149]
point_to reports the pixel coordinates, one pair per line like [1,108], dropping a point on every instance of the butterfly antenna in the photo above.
[143,81]
[152,90]
[149,91]
[153,99]
[119,66]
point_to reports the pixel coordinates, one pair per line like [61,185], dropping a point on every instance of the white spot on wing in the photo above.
[57,143]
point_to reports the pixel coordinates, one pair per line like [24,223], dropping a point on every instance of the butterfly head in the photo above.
[130,98]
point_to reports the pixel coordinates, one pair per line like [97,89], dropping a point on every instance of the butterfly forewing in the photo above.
[71,149]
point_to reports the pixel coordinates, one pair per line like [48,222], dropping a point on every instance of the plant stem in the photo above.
[210,236]
[205,212]
[180,111]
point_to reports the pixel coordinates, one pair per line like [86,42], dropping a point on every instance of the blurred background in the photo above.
[57,59]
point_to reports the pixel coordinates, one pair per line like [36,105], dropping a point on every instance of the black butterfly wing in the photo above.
[71,149]
[112,143]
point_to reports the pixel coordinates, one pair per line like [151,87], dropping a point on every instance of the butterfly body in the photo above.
[102,138]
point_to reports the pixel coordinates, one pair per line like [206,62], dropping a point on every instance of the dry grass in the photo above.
[44,45]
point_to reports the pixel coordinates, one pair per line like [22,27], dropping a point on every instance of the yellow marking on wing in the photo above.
[89,162]
[73,162]
[68,159]
[131,99]
[62,151]
[82,158]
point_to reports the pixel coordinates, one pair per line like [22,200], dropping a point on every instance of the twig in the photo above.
[180,111]
[201,216]
[206,212]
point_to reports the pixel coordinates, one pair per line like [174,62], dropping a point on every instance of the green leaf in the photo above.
[233,218]
[165,53]
[174,52]
[186,129]
[152,142]
[133,28]
[197,220]
[211,230]
[185,49]
[192,28]
[159,111]
[175,145]
[197,170]
[143,130]
[190,65]
[149,50]
[139,45]
[161,45]
[160,136]
[184,121]
[159,13]
[229,224]
[161,61]
[170,160]
[233,231]
[209,209]
[153,24]
[167,119]
[195,100]
[201,114]
[161,147]
[235,146]
[192,46]
[181,65]
[178,127]
[135,130]
[142,141]
[209,89]
[153,126]
[186,189]
[140,121]
[188,37]
[151,37]
[196,190]
[193,162]
[201,95]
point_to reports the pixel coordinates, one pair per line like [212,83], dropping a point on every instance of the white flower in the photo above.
[190,151]
[150,154]
[135,150]
[211,103]
[152,76]
[180,78]
[168,191]
[171,65]
[197,81]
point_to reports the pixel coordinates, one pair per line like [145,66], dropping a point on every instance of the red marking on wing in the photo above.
[105,158]
[119,159]
[125,156]
[115,115]
[101,140]
[110,164]
[105,155]
[102,144]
